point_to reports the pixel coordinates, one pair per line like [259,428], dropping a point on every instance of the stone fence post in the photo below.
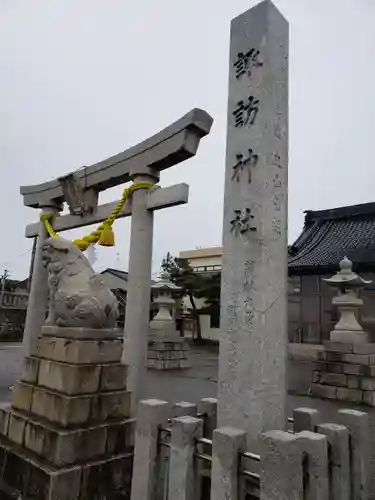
[314,449]
[183,483]
[151,414]
[305,419]
[227,444]
[357,423]
[184,409]
[180,409]
[281,467]
[338,456]
[208,407]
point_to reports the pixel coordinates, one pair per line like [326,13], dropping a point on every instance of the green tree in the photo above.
[210,292]
[194,285]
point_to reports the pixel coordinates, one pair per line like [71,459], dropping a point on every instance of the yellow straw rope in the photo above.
[94,236]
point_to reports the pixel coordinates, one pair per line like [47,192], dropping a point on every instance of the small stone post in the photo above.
[183,409]
[180,409]
[338,439]
[38,296]
[151,414]
[227,444]
[305,419]
[208,408]
[182,479]
[314,446]
[281,467]
[357,423]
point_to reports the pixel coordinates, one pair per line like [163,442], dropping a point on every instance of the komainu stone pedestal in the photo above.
[172,354]
[346,373]
[67,434]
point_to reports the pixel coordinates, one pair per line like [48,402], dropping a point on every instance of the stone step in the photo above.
[68,411]
[66,446]
[74,379]
[33,477]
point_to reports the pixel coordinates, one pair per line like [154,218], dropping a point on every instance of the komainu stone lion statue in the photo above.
[78,296]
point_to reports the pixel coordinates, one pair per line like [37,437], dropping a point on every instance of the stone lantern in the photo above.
[166,349]
[163,321]
[348,302]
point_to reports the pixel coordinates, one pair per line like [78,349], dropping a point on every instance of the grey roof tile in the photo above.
[330,235]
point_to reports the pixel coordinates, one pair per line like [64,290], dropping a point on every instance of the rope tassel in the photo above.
[104,234]
[107,236]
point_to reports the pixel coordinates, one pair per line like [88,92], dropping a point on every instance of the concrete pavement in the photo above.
[10,367]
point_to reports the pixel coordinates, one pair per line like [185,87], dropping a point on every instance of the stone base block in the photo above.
[113,377]
[63,410]
[67,378]
[30,370]
[25,476]
[347,347]
[359,337]
[347,373]
[4,418]
[352,395]
[72,379]
[176,345]
[168,364]
[22,396]
[369,398]
[168,355]
[81,333]
[63,447]
[70,411]
[110,405]
[79,351]
[324,391]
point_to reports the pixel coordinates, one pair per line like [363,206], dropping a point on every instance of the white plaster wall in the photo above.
[205,261]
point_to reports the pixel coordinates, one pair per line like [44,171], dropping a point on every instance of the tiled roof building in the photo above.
[330,235]
[327,237]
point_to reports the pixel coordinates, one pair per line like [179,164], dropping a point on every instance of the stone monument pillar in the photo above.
[253,340]
[166,349]
[348,303]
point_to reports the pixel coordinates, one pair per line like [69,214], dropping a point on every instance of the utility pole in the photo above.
[4,278]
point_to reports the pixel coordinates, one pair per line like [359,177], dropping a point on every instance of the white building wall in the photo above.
[113,282]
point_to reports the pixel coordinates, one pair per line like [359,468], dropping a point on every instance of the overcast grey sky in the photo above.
[81,80]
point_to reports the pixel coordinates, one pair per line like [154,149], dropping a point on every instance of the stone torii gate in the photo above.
[80,190]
